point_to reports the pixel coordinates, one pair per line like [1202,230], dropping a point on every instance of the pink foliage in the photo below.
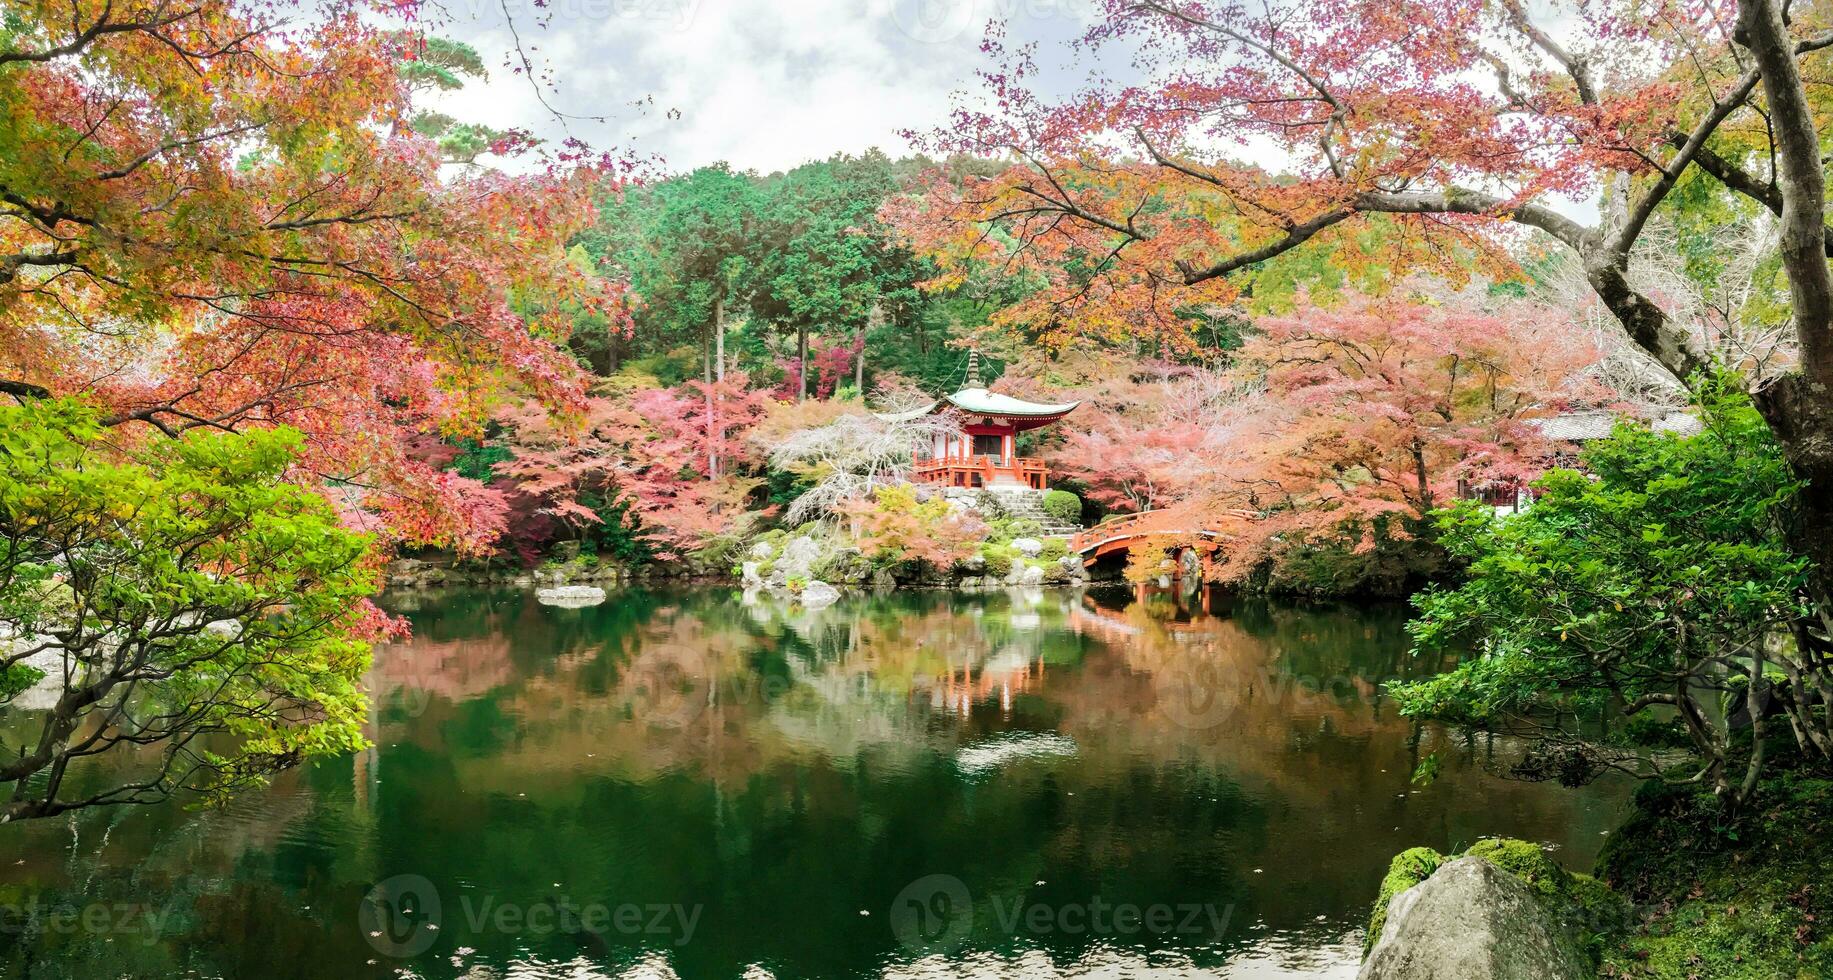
[1333,420]
[832,362]
[426,505]
[672,452]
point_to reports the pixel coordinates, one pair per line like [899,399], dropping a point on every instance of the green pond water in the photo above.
[677,783]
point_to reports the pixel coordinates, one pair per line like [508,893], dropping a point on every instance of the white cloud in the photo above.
[763,84]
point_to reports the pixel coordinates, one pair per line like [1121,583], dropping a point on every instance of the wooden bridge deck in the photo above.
[1123,533]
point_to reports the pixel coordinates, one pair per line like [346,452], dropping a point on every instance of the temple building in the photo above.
[984,454]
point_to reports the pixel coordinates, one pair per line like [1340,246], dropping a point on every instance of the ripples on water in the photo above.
[678,784]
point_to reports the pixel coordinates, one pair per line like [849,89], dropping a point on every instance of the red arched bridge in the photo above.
[1123,533]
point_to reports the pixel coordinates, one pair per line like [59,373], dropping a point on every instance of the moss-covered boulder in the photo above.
[1472,920]
[1583,907]
[1409,868]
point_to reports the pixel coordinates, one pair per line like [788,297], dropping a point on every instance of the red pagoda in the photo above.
[983,454]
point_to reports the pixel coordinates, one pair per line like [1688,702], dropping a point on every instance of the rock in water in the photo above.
[571,596]
[815,595]
[1473,921]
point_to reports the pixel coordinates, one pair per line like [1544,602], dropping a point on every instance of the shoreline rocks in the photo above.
[412,573]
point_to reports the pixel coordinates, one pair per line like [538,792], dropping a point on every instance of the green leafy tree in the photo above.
[438,64]
[1637,619]
[184,621]
[686,246]
[724,264]
[835,267]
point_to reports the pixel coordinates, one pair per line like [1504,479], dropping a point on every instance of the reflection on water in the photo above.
[676,783]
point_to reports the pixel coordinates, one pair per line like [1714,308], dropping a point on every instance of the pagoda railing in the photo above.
[962,471]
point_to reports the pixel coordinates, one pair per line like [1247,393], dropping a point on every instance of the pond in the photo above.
[678,783]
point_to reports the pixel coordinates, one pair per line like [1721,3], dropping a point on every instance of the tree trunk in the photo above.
[1422,477]
[1801,181]
[719,338]
[1799,406]
[1800,412]
[859,370]
[802,363]
[1647,325]
[706,366]
[715,426]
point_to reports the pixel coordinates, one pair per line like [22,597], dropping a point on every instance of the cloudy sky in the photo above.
[762,84]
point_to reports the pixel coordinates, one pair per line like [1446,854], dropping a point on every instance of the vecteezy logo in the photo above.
[667,698]
[1196,695]
[400,916]
[933,21]
[933,914]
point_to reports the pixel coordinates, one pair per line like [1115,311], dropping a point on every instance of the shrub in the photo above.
[1054,549]
[999,558]
[1007,528]
[618,535]
[894,528]
[1064,506]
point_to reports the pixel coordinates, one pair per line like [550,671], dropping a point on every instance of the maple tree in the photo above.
[1148,435]
[1345,425]
[637,451]
[210,219]
[832,361]
[1406,135]
[1393,410]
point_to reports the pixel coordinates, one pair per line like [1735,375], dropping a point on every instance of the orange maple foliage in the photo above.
[1253,148]
[212,220]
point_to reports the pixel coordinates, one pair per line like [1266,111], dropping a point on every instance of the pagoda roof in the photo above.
[979,401]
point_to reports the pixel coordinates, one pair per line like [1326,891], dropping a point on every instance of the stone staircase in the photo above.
[1029,504]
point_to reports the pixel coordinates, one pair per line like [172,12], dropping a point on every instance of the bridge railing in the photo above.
[1150,522]
[1127,525]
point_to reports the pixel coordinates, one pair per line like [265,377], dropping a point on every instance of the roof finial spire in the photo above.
[973,369]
